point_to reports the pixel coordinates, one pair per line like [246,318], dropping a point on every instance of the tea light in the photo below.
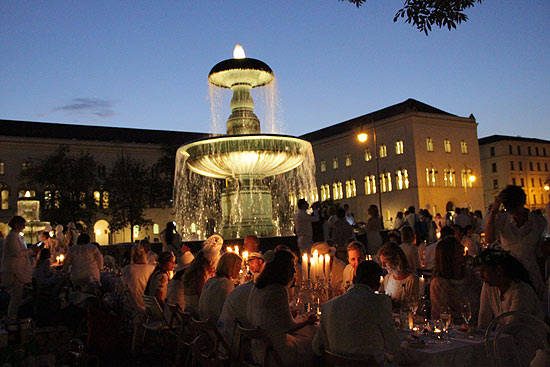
[61,258]
[327,265]
[466,251]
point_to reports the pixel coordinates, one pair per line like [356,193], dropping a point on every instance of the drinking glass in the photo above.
[466,312]
[446,317]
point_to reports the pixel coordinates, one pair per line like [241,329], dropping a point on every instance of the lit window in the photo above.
[335,163]
[368,155]
[325,192]
[48,199]
[383,183]
[292,199]
[449,176]
[27,194]
[388,178]
[466,174]
[5,197]
[26,165]
[156,229]
[348,160]
[464,147]
[429,145]
[447,145]
[335,191]
[2,168]
[315,195]
[399,176]
[136,231]
[402,179]
[340,191]
[370,185]
[351,190]
[399,147]
[323,166]
[57,199]
[406,178]
[97,198]
[383,151]
[431,177]
[105,201]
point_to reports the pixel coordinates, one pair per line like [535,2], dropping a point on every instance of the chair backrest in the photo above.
[513,338]
[341,361]
[153,309]
[208,333]
[259,335]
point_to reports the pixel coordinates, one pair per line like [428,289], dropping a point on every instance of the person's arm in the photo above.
[310,320]
[490,227]
[485,312]
[320,340]
[160,293]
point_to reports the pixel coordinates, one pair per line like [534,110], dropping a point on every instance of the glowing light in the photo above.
[245,255]
[27,194]
[546,187]
[228,249]
[237,250]
[21,234]
[472,178]
[438,235]
[362,137]
[52,233]
[61,258]
[98,232]
[465,251]
[238,52]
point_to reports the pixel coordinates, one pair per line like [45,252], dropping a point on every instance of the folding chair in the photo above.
[257,334]
[209,348]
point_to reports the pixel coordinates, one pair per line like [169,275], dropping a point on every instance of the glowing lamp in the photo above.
[362,137]
[238,52]
[472,178]
[546,187]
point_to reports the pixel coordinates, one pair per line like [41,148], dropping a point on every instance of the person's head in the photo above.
[17,223]
[458,231]
[373,211]
[170,227]
[341,213]
[229,265]
[369,273]
[393,259]
[256,262]
[331,210]
[394,236]
[166,261]
[43,255]
[408,235]
[44,236]
[356,253]
[251,243]
[513,198]
[458,211]
[411,209]
[438,215]
[279,269]
[399,215]
[478,214]
[303,204]
[447,231]
[200,268]
[449,257]
[498,268]
[146,245]
[138,254]
[83,239]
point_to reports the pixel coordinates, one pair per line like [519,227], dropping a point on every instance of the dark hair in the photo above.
[83,238]
[196,273]
[369,273]
[44,255]
[447,231]
[278,271]
[445,257]
[46,234]
[164,257]
[301,203]
[169,233]
[341,213]
[513,196]
[411,209]
[376,214]
[407,234]
[15,220]
[512,268]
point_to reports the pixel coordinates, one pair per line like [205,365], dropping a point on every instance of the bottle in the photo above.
[404,309]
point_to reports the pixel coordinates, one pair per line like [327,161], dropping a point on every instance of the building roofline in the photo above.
[496,138]
[63,131]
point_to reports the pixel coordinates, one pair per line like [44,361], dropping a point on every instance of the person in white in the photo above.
[399,221]
[359,323]
[303,227]
[462,218]
[135,276]
[356,255]
[520,231]
[216,289]
[16,265]
[84,261]
[399,278]
[408,245]
[412,217]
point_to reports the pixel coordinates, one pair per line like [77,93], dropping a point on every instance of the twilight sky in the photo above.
[144,64]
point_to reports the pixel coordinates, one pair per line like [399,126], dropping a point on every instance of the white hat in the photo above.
[323,248]
[255,255]
[184,260]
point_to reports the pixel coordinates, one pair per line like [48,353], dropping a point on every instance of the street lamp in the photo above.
[472,179]
[362,137]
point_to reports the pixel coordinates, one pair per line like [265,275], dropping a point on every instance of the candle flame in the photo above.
[245,255]
[238,52]
[229,249]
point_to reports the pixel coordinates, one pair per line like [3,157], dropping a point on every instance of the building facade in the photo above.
[514,160]
[412,154]
[24,143]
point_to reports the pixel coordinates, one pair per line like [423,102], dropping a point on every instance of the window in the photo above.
[537,151]
[546,167]
[534,199]
[529,150]
[494,167]
[385,182]
[464,147]
[136,231]
[370,185]
[26,165]
[538,166]
[429,145]
[492,151]
[97,198]
[399,147]
[447,145]
[465,174]
[325,192]
[27,193]
[532,182]
[522,182]
[520,165]
[105,201]
[544,151]
[530,166]
[495,184]
[431,176]
[156,229]
[337,191]
[402,179]
[510,150]
[511,165]
[323,166]
[335,163]
[540,182]
[2,168]
[348,160]
[383,151]
[48,199]
[514,181]
[82,200]
[368,155]
[5,198]
[340,191]
[351,190]
[519,150]
[449,176]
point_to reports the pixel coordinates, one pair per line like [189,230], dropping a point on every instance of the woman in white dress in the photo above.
[199,271]
[374,240]
[269,310]
[216,289]
[135,276]
[399,278]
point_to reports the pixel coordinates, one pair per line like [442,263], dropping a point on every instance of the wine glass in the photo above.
[446,317]
[414,302]
[466,312]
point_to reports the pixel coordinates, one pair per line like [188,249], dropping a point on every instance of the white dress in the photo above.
[86,263]
[234,308]
[394,288]
[213,296]
[136,276]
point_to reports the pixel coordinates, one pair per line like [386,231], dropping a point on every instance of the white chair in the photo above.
[513,338]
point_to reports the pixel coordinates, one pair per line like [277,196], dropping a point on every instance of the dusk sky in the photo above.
[144,64]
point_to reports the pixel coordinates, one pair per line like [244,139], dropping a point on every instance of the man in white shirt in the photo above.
[412,217]
[359,323]
[85,262]
[302,225]
[356,255]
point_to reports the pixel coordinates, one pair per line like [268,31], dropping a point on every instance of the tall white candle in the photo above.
[327,265]
[312,269]
[305,274]
[322,266]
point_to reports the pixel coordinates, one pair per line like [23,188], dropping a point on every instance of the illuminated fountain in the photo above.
[244,182]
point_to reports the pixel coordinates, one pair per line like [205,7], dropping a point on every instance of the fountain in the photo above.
[244,182]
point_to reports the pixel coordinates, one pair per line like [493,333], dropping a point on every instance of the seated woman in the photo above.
[46,280]
[408,245]
[135,276]
[269,310]
[216,289]
[158,282]
[199,271]
[506,287]
[453,283]
[399,278]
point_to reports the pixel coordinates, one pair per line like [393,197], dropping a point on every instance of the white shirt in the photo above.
[411,219]
[213,296]
[302,222]
[234,308]
[463,220]
[16,259]
[357,324]
[85,261]
[135,276]
[411,252]
[347,276]
[394,288]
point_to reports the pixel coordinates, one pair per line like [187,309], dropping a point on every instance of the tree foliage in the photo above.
[425,13]
[65,185]
[129,186]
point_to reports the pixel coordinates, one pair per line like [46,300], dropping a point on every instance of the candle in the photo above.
[228,249]
[466,251]
[421,285]
[305,274]
[237,250]
[411,321]
[321,266]
[245,255]
[327,265]
[312,270]
[438,235]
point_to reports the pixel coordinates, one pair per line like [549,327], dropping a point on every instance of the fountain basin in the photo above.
[231,72]
[245,155]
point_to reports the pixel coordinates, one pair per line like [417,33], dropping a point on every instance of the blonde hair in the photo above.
[356,245]
[395,257]
[139,255]
[227,263]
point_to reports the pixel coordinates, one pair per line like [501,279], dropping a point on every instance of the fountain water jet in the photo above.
[244,182]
